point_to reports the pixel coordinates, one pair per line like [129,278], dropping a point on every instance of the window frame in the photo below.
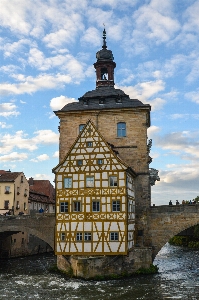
[79,237]
[115,206]
[114,236]
[62,236]
[121,129]
[78,207]
[111,178]
[80,162]
[100,161]
[87,236]
[71,182]
[65,204]
[97,208]
[89,144]
[81,127]
[87,180]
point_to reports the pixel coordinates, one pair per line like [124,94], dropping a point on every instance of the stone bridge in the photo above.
[162,223]
[40,225]
[166,221]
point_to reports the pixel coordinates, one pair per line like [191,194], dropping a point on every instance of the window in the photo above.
[79,162]
[116,205]
[7,189]
[114,236]
[24,206]
[22,240]
[25,193]
[95,206]
[6,204]
[67,182]
[21,179]
[90,181]
[79,236]
[89,144]
[76,206]
[81,127]
[113,181]
[87,236]
[121,129]
[64,207]
[18,190]
[100,161]
[62,236]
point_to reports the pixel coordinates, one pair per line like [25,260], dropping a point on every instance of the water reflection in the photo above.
[29,278]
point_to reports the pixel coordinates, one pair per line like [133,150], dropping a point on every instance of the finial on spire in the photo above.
[104,38]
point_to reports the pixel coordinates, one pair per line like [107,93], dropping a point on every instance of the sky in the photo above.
[47,51]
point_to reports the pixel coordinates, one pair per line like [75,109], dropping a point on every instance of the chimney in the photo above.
[31,181]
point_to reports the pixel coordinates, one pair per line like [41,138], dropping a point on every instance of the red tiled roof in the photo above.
[44,187]
[38,197]
[9,176]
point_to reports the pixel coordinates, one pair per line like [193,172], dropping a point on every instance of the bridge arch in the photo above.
[167,221]
[40,226]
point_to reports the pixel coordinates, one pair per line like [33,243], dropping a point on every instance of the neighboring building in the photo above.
[103,176]
[42,196]
[14,192]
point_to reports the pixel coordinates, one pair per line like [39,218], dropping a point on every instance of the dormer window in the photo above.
[85,102]
[101,101]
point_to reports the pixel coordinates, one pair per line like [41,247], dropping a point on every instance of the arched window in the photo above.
[121,129]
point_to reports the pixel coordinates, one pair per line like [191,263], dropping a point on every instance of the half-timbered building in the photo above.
[95,199]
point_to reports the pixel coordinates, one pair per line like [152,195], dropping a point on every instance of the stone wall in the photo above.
[91,267]
[166,221]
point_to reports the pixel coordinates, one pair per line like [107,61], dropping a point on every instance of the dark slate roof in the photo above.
[103,98]
[9,176]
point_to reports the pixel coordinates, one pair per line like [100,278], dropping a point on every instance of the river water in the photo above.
[29,278]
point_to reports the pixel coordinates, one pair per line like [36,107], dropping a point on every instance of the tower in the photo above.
[102,179]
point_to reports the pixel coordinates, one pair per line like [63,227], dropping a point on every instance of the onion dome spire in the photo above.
[104,66]
[104,39]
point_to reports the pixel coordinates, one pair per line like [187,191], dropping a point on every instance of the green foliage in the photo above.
[178,240]
[193,244]
[196,199]
[196,231]
[151,270]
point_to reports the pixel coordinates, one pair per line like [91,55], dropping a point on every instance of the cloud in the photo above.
[91,36]
[56,154]
[4,125]
[40,158]
[14,48]
[184,144]
[31,84]
[145,91]
[193,96]
[59,102]
[157,22]
[8,109]
[19,140]
[152,131]
[14,156]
